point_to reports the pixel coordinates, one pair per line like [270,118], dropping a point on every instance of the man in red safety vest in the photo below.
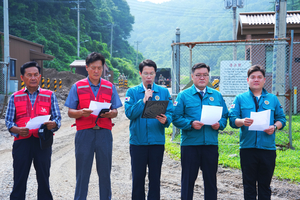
[93,137]
[25,104]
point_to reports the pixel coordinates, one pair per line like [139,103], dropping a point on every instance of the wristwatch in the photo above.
[275,128]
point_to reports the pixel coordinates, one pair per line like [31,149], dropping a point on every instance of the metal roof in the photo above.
[81,63]
[268,18]
[78,63]
[262,23]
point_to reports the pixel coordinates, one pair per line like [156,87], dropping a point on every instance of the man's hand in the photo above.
[197,125]
[162,118]
[270,130]
[86,112]
[23,131]
[111,114]
[50,125]
[148,93]
[247,122]
[215,126]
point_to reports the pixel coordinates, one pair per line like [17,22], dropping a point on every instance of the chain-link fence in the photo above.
[229,62]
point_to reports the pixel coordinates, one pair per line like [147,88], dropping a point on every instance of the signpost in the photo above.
[233,78]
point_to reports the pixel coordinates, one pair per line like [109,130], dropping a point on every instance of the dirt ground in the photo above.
[63,180]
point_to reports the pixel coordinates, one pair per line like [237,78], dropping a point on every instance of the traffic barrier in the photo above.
[48,83]
[55,85]
[22,85]
[43,82]
[59,83]
[216,84]
[121,83]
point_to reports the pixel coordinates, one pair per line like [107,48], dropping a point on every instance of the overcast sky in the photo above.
[156,1]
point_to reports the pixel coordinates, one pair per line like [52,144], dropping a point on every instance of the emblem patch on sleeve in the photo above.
[127,99]
[232,106]
[175,103]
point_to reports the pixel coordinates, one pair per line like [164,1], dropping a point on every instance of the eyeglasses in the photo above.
[94,68]
[202,75]
[256,77]
[146,74]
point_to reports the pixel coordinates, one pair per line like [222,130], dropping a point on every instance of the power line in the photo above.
[78,17]
[173,11]
[169,8]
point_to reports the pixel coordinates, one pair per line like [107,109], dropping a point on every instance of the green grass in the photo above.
[287,161]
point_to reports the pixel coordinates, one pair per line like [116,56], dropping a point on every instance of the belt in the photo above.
[97,127]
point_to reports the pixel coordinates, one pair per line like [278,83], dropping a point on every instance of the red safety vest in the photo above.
[85,96]
[25,111]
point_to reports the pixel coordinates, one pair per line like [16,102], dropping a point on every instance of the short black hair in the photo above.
[256,68]
[29,64]
[200,65]
[148,63]
[94,56]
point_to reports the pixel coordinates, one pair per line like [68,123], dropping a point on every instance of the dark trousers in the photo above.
[91,143]
[25,152]
[141,157]
[257,166]
[204,157]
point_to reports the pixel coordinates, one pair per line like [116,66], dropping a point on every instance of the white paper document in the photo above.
[261,120]
[96,107]
[37,121]
[211,114]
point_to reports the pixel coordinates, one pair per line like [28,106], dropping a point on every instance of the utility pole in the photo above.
[78,24]
[78,29]
[6,44]
[279,51]
[6,31]
[78,18]
[111,37]
[137,51]
[234,4]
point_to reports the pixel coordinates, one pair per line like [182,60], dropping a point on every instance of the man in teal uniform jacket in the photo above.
[147,136]
[257,148]
[199,142]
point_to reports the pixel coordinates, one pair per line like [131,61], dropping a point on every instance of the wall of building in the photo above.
[20,51]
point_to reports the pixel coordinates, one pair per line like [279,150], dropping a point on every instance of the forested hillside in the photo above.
[198,20]
[53,23]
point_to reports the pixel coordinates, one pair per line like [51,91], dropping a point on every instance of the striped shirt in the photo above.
[11,111]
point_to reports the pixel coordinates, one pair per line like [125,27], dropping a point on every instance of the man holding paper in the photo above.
[200,112]
[93,137]
[25,107]
[258,114]
[147,135]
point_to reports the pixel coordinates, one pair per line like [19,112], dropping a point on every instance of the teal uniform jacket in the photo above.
[188,108]
[145,131]
[241,108]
